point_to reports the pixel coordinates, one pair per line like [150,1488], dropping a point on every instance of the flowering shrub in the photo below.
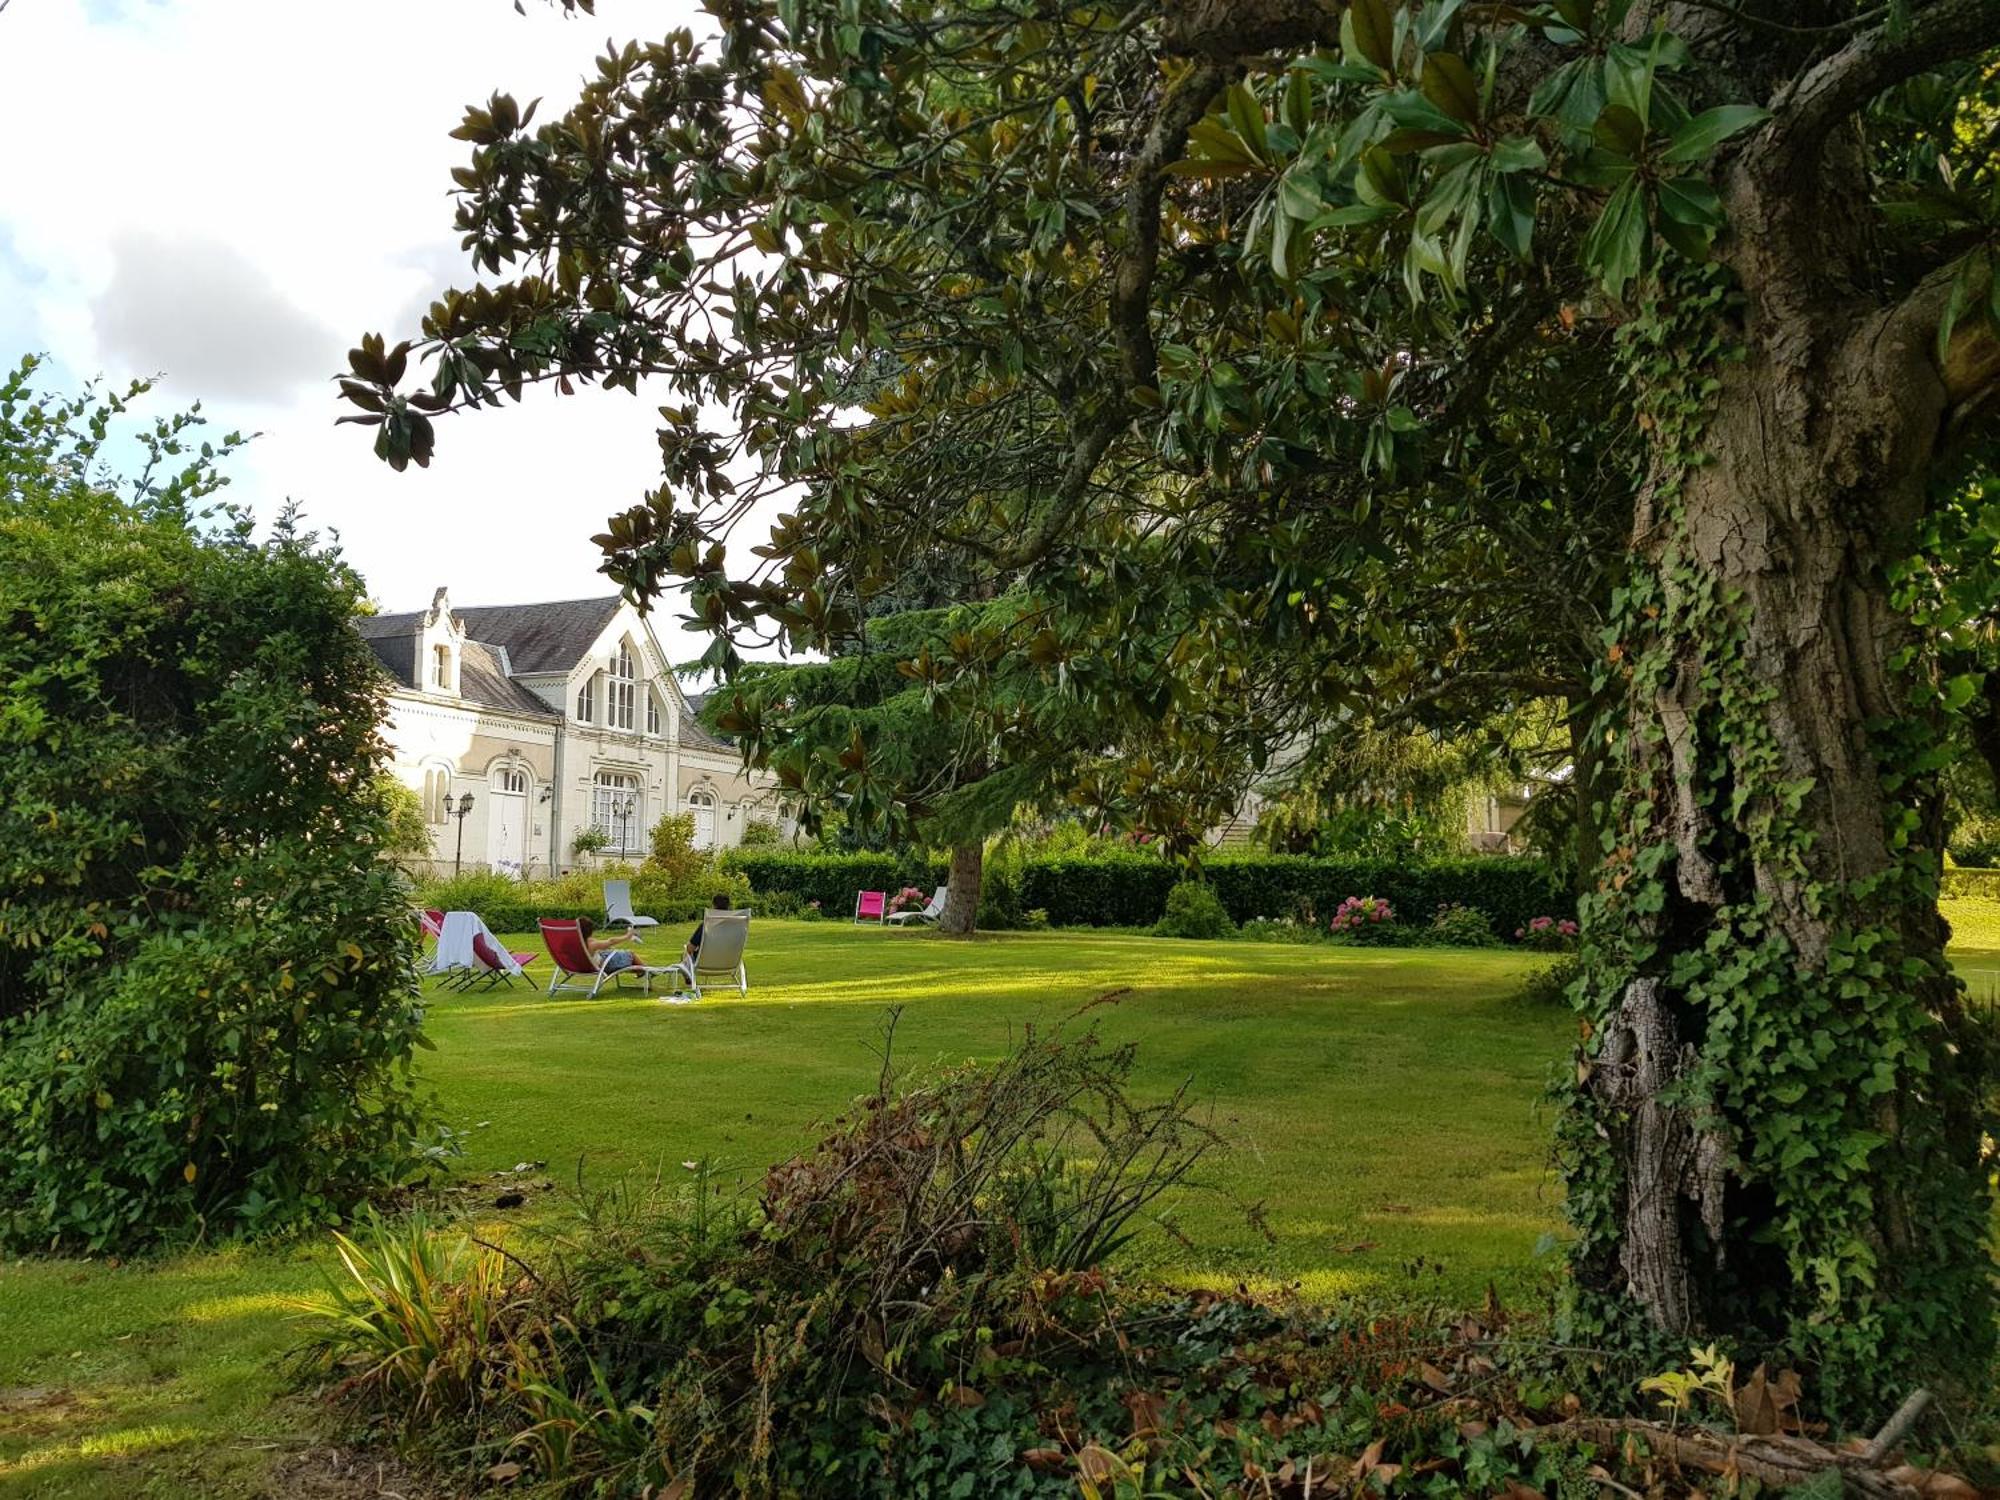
[1357,914]
[909,898]
[1547,934]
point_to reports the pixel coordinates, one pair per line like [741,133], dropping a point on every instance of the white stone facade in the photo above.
[554,718]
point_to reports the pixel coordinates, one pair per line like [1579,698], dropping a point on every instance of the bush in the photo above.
[208,999]
[1193,911]
[1280,930]
[1969,885]
[1365,920]
[694,1344]
[1547,934]
[474,890]
[1459,926]
[1548,985]
[761,833]
[1975,842]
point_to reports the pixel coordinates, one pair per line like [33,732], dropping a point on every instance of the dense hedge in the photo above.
[1132,892]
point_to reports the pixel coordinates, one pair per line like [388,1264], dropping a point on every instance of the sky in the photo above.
[227,193]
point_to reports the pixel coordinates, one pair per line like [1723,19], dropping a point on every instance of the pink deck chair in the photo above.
[870,906]
[576,968]
[432,922]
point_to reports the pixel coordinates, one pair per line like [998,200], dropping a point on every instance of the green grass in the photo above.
[1382,1105]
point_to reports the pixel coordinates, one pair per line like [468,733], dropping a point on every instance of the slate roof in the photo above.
[541,637]
[480,678]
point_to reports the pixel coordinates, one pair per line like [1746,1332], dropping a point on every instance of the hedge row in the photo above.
[1133,892]
[519,919]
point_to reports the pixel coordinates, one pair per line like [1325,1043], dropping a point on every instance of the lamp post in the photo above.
[460,812]
[626,806]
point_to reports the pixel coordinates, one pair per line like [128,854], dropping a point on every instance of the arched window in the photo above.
[586,700]
[652,712]
[441,667]
[511,779]
[701,803]
[617,810]
[437,793]
[621,688]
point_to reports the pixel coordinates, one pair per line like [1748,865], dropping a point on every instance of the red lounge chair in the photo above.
[575,964]
[432,921]
[496,964]
[870,906]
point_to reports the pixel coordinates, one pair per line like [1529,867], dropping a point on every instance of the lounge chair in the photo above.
[432,922]
[927,913]
[495,963]
[578,969]
[618,906]
[723,935]
[453,955]
[869,906]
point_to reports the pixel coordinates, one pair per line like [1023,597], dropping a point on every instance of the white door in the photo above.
[507,831]
[703,807]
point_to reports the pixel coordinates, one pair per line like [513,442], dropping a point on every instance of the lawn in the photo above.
[1381,1105]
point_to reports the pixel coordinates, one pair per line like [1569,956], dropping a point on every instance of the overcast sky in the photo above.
[227,193]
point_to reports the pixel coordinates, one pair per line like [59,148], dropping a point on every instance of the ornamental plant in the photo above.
[1547,934]
[909,898]
[1358,916]
[208,996]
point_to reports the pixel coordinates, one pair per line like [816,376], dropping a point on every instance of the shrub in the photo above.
[589,841]
[1547,934]
[733,1346]
[208,998]
[1364,919]
[474,890]
[761,833]
[1459,926]
[406,835]
[1194,911]
[674,856]
[1975,842]
[1280,930]
[1548,984]
[909,898]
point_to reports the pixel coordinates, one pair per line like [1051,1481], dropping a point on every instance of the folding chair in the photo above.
[870,906]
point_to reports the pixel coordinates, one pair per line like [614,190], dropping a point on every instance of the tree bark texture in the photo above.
[961,897]
[1780,1082]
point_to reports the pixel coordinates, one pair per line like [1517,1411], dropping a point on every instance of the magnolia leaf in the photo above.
[1697,139]
[1620,129]
[1448,83]
[1616,246]
[1374,32]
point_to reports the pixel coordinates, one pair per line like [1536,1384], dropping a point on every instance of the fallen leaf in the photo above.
[1433,1377]
[502,1472]
[1045,1460]
[1097,1464]
[1756,1408]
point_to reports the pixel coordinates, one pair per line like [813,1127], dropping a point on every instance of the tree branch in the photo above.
[1877,60]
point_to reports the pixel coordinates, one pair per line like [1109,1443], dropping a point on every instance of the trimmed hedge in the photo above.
[1132,892]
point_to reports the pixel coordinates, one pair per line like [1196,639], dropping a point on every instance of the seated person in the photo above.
[617,951]
[718,902]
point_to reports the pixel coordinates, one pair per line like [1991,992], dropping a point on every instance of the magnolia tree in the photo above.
[1394,361]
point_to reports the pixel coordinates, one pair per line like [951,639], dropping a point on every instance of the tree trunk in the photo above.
[961,897]
[1775,1130]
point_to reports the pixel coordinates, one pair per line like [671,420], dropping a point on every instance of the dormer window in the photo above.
[621,688]
[441,668]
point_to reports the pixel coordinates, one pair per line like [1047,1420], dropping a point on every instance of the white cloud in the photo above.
[230,191]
